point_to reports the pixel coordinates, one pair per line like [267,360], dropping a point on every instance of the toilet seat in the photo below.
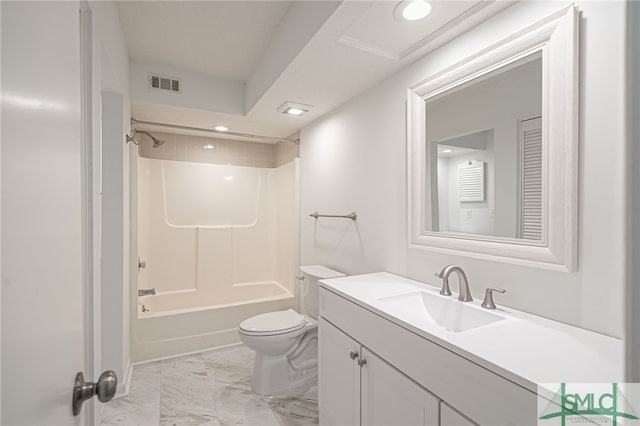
[273,323]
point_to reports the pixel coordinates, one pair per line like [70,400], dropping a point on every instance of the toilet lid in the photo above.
[271,322]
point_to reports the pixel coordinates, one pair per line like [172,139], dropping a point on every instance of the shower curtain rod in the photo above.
[217,132]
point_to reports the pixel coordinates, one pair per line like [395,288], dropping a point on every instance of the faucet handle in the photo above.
[445,290]
[488,302]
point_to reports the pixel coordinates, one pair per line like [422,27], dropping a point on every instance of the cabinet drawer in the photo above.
[478,393]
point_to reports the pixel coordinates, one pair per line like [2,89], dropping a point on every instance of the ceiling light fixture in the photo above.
[295,109]
[446,151]
[221,128]
[412,10]
[208,146]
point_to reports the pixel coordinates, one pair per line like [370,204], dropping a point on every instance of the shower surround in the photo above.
[219,242]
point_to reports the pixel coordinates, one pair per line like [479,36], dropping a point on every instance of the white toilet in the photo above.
[286,342]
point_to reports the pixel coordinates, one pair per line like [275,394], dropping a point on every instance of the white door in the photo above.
[338,376]
[391,398]
[43,344]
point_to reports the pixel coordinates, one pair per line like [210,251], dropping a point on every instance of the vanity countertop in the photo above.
[524,348]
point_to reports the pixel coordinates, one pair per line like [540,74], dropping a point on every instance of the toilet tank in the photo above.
[309,290]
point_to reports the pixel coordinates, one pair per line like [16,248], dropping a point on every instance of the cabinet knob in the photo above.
[362,362]
[353,355]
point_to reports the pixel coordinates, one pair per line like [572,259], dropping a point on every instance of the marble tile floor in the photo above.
[212,389]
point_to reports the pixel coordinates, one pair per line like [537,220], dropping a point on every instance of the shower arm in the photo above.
[156,142]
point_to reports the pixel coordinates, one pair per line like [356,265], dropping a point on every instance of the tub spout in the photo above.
[147,292]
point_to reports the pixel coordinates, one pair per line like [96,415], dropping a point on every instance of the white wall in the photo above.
[354,158]
[632,336]
[0,234]
[111,87]
[113,239]
[198,90]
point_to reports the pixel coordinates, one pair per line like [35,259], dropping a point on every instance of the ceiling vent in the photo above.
[169,84]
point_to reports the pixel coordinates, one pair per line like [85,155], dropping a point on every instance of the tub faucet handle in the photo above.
[147,292]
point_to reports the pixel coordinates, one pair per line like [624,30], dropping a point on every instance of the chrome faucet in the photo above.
[465,294]
[147,292]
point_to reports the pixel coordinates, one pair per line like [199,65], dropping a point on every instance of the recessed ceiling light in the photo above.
[221,128]
[229,178]
[446,151]
[412,10]
[294,111]
[208,146]
[292,108]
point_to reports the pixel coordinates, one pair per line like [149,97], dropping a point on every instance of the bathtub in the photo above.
[186,321]
[212,263]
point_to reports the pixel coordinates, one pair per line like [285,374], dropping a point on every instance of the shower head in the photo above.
[156,142]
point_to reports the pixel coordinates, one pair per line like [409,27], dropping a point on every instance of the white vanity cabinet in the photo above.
[407,379]
[388,397]
[357,387]
[338,376]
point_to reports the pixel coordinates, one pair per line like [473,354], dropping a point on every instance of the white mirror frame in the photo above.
[557,38]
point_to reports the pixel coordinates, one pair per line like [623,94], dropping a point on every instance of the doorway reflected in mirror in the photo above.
[486,146]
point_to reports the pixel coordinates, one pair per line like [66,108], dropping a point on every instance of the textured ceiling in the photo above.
[219,38]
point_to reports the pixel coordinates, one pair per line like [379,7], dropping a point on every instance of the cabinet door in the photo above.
[338,377]
[391,398]
[450,417]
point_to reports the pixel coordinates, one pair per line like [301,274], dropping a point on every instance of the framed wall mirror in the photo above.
[493,151]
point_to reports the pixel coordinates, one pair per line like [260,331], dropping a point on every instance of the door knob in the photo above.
[104,388]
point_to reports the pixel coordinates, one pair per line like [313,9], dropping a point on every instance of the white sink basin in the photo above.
[448,313]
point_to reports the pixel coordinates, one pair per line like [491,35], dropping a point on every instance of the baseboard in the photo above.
[199,351]
[123,387]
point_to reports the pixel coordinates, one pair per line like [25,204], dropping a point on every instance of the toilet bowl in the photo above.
[286,342]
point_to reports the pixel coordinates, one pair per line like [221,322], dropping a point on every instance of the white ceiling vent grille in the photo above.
[169,84]
[471,181]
